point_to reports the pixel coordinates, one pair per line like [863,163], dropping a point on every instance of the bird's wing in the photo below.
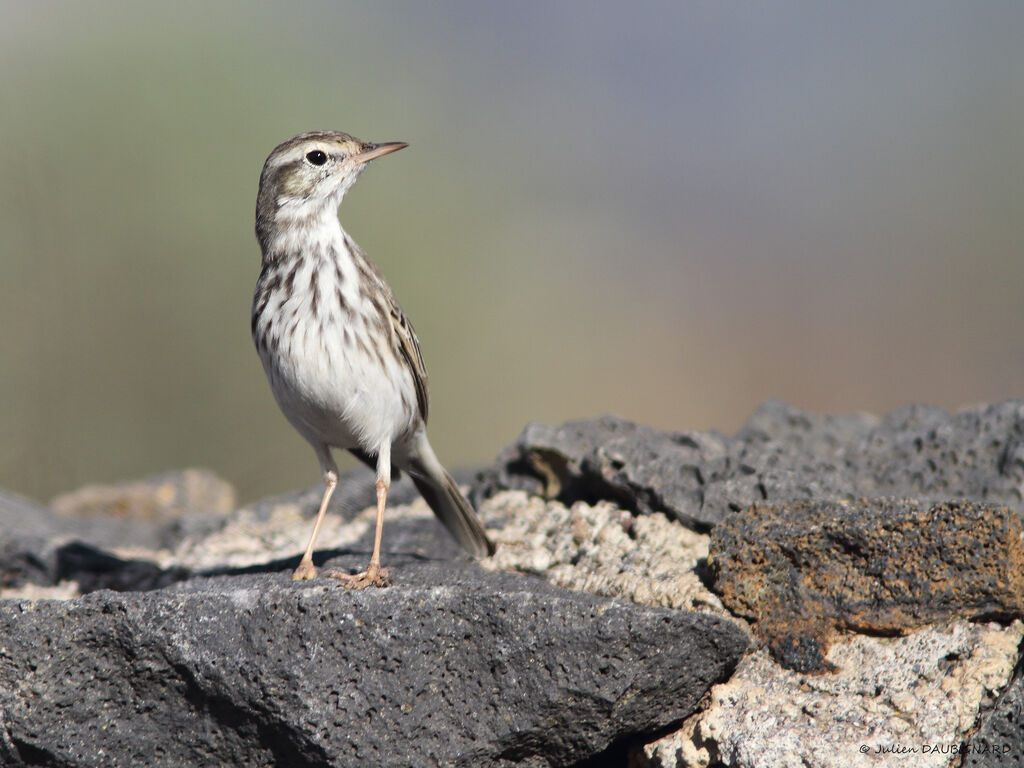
[407,341]
[410,347]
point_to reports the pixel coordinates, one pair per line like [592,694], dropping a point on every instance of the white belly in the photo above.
[335,389]
[343,398]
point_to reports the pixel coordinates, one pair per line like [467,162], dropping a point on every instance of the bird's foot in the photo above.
[374,576]
[306,570]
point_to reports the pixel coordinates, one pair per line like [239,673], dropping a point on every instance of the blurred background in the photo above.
[669,211]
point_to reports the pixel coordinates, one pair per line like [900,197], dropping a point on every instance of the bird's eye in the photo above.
[317,157]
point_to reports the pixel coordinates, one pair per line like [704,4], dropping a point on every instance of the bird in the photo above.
[342,358]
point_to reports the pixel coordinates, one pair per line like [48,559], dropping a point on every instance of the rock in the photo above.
[24,518]
[41,548]
[156,512]
[167,496]
[999,741]
[638,468]
[918,695]
[923,452]
[781,454]
[74,568]
[799,570]
[451,666]
[151,533]
[272,533]
[49,555]
[917,451]
[77,538]
[280,526]
[601,549]
[210,654]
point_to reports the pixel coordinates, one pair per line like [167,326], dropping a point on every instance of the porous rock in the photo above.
[910,700]
[881,566]
[782,453]
[638,468]
[921,451]
[601,549]
[43,553]
[999,739]
[584,533]
[451,666]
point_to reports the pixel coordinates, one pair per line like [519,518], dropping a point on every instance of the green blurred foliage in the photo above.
[670,212]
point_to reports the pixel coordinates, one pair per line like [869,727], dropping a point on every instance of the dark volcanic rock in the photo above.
[155,512]
[21,517]
[924,452]
[40,546]
[781,454]
[48,563]
[874,566]
[999,742]
[640,468]
[471,669]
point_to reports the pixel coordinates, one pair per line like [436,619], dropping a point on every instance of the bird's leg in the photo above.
[306,570]
[374,575]
[373,571]
[323,453]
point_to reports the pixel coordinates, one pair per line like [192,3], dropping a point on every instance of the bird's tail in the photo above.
[451,507]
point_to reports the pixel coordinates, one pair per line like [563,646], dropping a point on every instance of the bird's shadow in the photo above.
[320,558]
[93,568]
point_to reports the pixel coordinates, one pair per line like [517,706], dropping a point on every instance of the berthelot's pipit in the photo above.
[342,358]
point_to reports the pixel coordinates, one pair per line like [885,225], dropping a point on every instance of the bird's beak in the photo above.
[373,151]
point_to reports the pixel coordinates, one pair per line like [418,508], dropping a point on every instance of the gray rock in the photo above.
[155,512]
[452,666]
[235,664]
[918,694]
[80,539]
[21,517]
[781,454]
[999,741]
[923,452]
[160,496]
[32,541]
[639,468]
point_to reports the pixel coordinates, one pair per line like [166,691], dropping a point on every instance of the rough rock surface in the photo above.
[638,468]
[918,694]
[781,454]
[164,508]
[999,741]
[874,566]
[602,549]
[206,616]
[113,545]
[45,546]
[452,666]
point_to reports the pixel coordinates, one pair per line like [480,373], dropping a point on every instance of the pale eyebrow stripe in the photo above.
[293,155]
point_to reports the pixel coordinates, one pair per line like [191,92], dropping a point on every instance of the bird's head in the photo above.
[311,173]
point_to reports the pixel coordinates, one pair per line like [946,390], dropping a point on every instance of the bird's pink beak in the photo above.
[373,151]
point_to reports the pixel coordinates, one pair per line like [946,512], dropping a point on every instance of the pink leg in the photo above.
[306,570]
[374,575]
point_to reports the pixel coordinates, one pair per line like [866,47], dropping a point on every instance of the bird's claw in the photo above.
[305,571]
[374,576]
